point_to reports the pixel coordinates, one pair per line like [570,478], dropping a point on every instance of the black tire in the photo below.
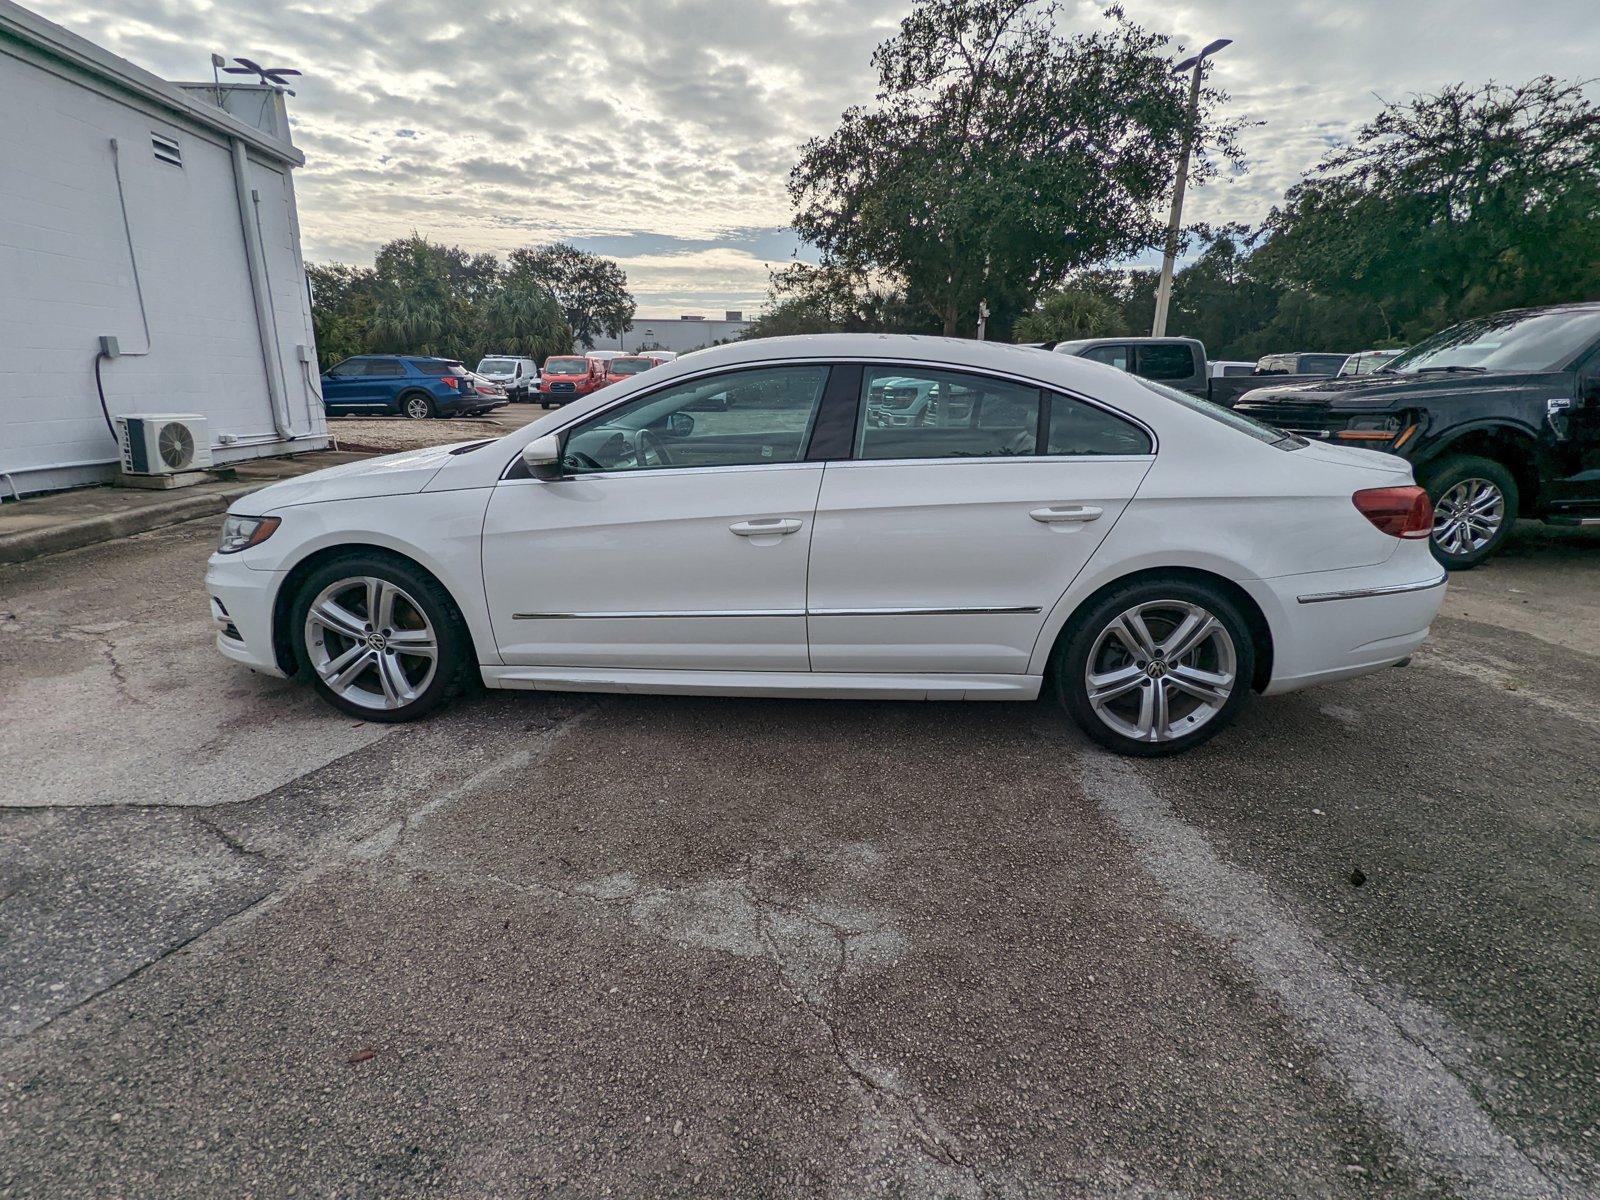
[1456,543]
[453,671]
[409,406]
[1230,649]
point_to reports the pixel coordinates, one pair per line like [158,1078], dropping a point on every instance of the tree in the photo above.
[419,309]
[1448,206]
[342,300]
[592,291]
[1000,156]
[1069,313]
[804,298]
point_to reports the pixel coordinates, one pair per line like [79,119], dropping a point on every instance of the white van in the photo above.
[519,376]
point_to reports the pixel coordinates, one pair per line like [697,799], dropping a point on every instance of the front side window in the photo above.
[943,414]
[740,418]
[350,368]
[1165,362]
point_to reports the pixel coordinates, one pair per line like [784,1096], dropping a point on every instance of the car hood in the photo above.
[388,475]
[1379,391]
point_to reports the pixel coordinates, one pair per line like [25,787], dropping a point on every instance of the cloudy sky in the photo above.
[662,133]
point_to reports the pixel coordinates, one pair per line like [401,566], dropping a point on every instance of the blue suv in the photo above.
[412,385]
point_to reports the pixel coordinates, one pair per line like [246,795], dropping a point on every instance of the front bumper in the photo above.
[241,603]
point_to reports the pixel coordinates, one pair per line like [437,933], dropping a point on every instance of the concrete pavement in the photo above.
[567,945]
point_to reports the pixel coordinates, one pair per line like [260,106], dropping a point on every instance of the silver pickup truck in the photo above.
[1181,362]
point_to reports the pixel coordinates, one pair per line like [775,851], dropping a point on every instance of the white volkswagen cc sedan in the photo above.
[734,523]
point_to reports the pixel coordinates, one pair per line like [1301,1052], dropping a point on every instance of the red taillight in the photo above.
[451,382]
[1402,512]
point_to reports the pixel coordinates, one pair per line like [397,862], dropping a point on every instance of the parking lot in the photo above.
[628,945]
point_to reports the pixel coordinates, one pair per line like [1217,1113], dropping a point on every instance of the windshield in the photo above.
[497,366]
[566,366]
[629,366]
[1259,430]
[1515,341]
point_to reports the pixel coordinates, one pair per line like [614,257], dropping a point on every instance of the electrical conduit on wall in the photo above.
[255,260]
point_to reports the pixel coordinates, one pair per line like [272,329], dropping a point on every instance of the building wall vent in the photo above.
[166,149]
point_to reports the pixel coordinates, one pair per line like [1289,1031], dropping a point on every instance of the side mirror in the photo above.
[680,424]
[542,456]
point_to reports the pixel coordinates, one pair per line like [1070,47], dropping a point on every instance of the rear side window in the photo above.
[435,367]
[1165,362]
[1079,429]
[915,413]
[384,367]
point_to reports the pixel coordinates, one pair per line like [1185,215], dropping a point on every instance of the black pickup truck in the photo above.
[1499,414]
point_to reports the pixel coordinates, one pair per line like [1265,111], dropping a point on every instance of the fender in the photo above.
[453,553]
[1432,448]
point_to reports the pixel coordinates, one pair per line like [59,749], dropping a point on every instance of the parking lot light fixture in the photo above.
[1170,256]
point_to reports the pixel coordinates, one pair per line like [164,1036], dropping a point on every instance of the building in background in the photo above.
[681,334]
[163,216]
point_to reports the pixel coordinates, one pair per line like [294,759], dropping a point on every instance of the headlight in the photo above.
[240,533]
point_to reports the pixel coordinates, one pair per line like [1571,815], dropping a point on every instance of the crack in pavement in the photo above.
[812,947]
[366,850]
[1394,1074]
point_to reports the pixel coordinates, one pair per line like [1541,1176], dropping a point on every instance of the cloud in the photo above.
[662,133]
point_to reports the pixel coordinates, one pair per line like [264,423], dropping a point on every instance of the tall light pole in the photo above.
[1168,259]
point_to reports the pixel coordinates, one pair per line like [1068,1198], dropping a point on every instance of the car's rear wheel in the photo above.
[416,406]
[1474,507]
[379,638]
[1157,666]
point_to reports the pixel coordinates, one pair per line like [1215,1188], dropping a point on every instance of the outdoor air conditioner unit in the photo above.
[163,443]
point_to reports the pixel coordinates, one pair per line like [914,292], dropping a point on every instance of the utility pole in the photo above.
[1175,222]
[983,318]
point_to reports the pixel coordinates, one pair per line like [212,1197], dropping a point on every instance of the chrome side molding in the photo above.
[1393,589]
[775,612]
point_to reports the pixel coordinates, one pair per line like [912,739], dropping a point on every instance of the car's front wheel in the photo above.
[1474,507]
[416,406]
[1157,666]
[379,638]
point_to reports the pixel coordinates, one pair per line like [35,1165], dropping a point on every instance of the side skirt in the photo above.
[837,685]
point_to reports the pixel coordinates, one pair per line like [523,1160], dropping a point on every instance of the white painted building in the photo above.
[161,215]
[681,334]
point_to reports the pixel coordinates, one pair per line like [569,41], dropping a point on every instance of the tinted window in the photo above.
[1077,428]
[1259,430]
[943,414]
[1322,364]
[1518,341]
[433,366]
[1166,362]
[386,367]
[350,368]
[740,418]
[1112,356]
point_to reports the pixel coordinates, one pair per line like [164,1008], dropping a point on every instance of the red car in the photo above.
[568,376]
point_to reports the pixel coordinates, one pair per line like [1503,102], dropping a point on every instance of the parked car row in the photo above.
[420,386]
[1499,415]
[409,385]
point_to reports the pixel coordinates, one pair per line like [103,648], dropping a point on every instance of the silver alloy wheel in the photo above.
[1160,670]
[1468,516]
[416,408]
[371,643]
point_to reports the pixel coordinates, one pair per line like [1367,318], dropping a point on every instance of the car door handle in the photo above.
[1065,514]
[765,526]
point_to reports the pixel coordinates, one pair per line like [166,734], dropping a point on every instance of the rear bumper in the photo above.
[241,610]
[1339,624]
